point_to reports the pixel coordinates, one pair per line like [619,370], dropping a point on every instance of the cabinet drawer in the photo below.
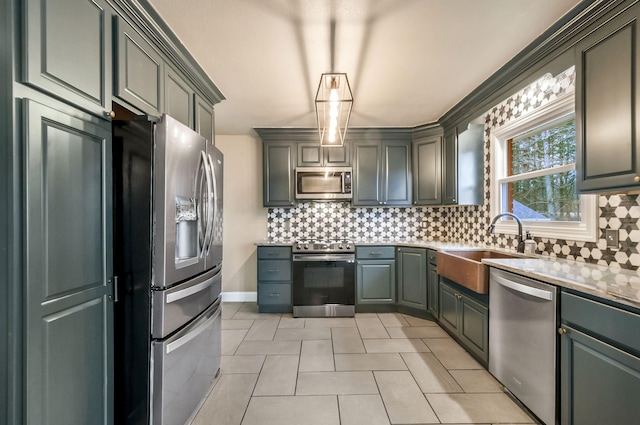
[274,252]
[431,256]
[375,252]
[612,323]
[274,293]
[274,270]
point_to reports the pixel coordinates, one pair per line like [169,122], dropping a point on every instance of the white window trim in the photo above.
[587,229]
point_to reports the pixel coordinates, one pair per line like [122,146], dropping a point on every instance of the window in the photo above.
[533,175]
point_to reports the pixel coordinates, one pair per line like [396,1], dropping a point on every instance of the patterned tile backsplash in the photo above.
[467,224]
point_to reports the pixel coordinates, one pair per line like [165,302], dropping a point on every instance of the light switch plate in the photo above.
[611,235]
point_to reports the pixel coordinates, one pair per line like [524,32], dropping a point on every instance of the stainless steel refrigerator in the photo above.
[167,260]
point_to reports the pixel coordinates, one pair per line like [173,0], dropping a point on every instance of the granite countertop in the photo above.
[610,283]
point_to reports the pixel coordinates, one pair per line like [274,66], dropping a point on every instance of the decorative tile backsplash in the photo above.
[467,224]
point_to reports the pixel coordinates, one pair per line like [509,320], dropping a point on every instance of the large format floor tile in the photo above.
[309,410]
[374,369]
[336,383]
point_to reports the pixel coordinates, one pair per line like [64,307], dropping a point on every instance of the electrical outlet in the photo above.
[424,224]
[611,235]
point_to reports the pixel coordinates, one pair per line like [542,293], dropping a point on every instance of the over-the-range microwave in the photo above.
[323,183]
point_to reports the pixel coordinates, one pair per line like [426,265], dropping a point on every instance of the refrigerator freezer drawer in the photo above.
[183,368]
[174,307]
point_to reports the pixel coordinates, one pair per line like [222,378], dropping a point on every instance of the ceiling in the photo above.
[408,61]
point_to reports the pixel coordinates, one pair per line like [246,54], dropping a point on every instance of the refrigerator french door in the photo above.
[168,245]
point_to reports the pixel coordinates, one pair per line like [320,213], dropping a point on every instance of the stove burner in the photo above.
[314,246]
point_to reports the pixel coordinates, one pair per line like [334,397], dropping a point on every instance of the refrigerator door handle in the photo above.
[207,207]
[214,202]
[190,334]
[183,293]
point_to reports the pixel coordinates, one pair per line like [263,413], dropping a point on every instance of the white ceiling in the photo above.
[408,61]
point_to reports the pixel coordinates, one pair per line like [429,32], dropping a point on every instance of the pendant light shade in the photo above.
[333,108]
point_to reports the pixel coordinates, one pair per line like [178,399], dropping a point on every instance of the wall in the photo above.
[244,217]
[468,224]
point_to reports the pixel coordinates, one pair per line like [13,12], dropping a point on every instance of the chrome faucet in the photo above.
[519,238]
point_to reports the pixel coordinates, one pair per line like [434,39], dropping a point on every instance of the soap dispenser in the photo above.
[529,244]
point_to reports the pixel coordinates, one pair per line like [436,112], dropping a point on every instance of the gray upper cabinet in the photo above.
[607,106]
[427,171]
[463,162]
[382,173]
[204,119]
[139,70]
[278,180]
[179,97]
[69,318]
[311,154]
[68,51]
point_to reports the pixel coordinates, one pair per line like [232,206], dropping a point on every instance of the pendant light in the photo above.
[333,108]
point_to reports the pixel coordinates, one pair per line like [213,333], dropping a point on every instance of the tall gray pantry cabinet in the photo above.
[69,60]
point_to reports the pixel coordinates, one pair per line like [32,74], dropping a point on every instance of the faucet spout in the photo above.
[519,237]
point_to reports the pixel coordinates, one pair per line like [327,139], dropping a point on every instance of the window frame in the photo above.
[584,230]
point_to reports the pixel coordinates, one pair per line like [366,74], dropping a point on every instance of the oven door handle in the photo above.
[325,257]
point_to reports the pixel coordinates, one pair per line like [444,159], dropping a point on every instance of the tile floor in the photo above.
[374,369]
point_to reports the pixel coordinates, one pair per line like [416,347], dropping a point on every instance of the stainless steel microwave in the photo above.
[323,183]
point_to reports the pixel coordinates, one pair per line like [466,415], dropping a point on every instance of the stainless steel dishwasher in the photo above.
[522,340]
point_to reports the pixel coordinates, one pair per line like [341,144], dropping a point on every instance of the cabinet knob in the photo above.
[636,179]
[562,331]
[110,114]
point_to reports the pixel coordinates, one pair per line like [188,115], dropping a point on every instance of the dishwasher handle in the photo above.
[523,288]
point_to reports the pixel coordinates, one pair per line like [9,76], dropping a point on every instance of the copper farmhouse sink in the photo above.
[466,268]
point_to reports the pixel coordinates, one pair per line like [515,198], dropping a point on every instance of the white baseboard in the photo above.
[239,297]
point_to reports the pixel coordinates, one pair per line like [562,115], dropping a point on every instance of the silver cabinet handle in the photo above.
[273,270]
[274,294]
[375,253]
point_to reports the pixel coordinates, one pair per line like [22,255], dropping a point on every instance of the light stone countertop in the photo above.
[610,283]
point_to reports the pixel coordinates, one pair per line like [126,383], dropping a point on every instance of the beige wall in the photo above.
[245,219]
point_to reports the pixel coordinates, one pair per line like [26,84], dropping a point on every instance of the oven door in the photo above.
[323,285]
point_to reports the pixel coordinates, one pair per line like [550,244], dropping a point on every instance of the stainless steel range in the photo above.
[324,279]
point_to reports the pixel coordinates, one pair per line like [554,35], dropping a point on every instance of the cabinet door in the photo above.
[68,319]
[599,384]
[366,174]
[474,327]
[278,179]
[450,172]
[433,290]
[470,165]
[179,98]
[337,156]
[68,51]
[607,99]
[204,119]
[427,171]
[375,282]
[396,174]
[309,154]
[449,308]
[139,70]
[412,277]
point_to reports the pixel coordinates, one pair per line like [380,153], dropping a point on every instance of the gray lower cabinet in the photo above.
[412,277]
[433,284]
[68,51]
[274,279]
[466,316]
[607,100]
[179,97]
[279,162]
[382,173]
[599,363]
[68,328]
[139,70]
[375,275]
[427,171]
